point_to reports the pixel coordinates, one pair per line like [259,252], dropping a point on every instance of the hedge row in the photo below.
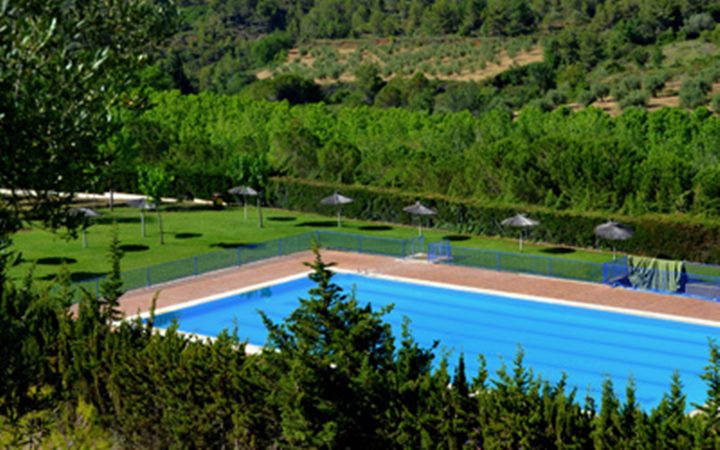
[673,237]
[185,185]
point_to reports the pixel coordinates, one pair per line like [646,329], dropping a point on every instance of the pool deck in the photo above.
[188,289]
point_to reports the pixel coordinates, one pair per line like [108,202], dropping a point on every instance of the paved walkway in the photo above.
[244,276]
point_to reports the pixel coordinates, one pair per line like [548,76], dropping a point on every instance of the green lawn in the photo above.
[194,231]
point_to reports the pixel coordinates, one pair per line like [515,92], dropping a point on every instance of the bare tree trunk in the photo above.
[162,237]
[259,208]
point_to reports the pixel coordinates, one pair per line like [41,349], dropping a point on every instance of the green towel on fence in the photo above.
[656,274]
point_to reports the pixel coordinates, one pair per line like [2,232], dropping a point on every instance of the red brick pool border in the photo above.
[206,285]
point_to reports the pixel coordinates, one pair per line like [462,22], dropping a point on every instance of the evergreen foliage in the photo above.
[331,376]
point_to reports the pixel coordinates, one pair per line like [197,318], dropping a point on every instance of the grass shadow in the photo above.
[456,238]
[231,245]
[187,235]
[281,219]
[55,260]
[558,250]
[108,220]
[81,276]
[74,276]
[186,207]
[375,228]
[134,247]
[318,224]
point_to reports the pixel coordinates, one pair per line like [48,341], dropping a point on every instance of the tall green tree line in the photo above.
[665,161]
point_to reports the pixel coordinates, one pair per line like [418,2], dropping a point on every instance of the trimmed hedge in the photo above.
[673,237]
[185,184]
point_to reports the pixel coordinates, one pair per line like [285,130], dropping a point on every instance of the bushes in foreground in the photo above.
[332,376]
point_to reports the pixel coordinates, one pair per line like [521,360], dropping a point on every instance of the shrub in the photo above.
[586,98]
[693,93]
[631,83]
[640,56]
[600,90]
[555,97]
[715,103]
[696,24]
[655,83]
[657,56]
[634,98]
[271,48]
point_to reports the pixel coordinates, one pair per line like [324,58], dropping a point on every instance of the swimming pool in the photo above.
[587,344]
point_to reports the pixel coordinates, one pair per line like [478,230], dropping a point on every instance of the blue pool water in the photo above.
[588,345]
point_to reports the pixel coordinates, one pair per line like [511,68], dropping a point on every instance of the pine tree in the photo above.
[607,433]
[112,284]
[711,408]
[633,420]
[669,421]
[408,381]
[329,361]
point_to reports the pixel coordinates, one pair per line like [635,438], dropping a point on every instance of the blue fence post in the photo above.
[147,277]
[404,250]
[239,257]
[195,265]
[549,266]
[279,247]
[360,247]
[497,261]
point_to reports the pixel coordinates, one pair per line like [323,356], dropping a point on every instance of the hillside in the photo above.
[449,59]
[609,54]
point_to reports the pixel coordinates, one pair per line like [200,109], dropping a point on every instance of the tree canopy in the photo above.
[65,65]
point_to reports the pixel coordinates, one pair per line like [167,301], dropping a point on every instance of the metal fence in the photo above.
[370,244]
[443,252]
[249,253]
[699,281]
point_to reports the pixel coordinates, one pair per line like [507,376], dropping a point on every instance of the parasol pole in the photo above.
[521,240]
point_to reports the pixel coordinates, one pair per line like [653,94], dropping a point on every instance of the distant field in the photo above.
[195,232]
[461,59]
